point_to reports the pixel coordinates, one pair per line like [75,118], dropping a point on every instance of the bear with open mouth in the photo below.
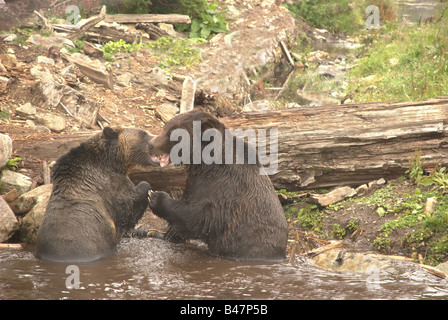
[93,201]
[228,205]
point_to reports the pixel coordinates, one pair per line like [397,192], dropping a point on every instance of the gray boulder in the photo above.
[5,149]
[13,180]
[8,221]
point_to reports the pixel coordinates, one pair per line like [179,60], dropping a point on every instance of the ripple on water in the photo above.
[156,269]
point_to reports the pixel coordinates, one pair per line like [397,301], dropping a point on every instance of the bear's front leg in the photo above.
[176,212]
[140,200]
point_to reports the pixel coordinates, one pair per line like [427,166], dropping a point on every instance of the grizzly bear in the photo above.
[93,201]
[230,206]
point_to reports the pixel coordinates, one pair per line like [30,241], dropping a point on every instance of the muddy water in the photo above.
[417,10]
[156,269]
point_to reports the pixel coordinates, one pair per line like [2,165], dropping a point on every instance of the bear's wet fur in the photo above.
[93,201]
[231,207]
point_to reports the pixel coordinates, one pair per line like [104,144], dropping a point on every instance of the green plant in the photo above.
[209,22]
[176,52]
[4,115]
[403,63]
[114,47]
[415,170]
[440,179]
[337,231]
[79,45]
[13,163]
[353,225]
[336,16]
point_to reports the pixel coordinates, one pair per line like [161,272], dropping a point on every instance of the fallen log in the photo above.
[91,22]
[147,18]
[327,146]
[321,147]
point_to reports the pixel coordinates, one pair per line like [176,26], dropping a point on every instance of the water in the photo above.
[415,11]
[156,269]
[325,83]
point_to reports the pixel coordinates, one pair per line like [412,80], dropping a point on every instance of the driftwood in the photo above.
[92,51]
[46,24]
[10,246]
[151,29]
[147,18]
[93,72]
[79,32]
[107,32]
[327,146]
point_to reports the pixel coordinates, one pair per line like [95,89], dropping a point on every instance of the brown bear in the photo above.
[231,207]
[93,201]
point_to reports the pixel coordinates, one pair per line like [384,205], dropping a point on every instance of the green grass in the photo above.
[176,52]
[406,63]
[335,16]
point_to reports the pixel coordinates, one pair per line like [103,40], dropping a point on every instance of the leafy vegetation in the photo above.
[210,22]
[111,48]
[335,16]
[404,63]
[13,163]
[207,19]
[176,52]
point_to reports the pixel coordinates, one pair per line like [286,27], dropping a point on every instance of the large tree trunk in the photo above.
[339,145]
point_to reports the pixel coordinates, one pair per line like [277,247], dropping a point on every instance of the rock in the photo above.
[166,111]
[376,182]
[328,71]
[53,122]
[443,267]
[345,261]
[28,200]
[51,93]
[9,37]
[125,79]
[12,180]
[430,205]
[259,105]
[253,42]
[43,59]
[5,149]
[334,196]
[156,77]
[32,221]
[2,68]
[169,28]
[8,60]
[55,40]
[362,189]
[161,93]
[3,83]
[11,196]
[188,92]
[8,221]
[92,51]
[26,111]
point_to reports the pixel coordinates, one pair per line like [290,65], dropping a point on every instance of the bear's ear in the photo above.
[210,123]
[110,133]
